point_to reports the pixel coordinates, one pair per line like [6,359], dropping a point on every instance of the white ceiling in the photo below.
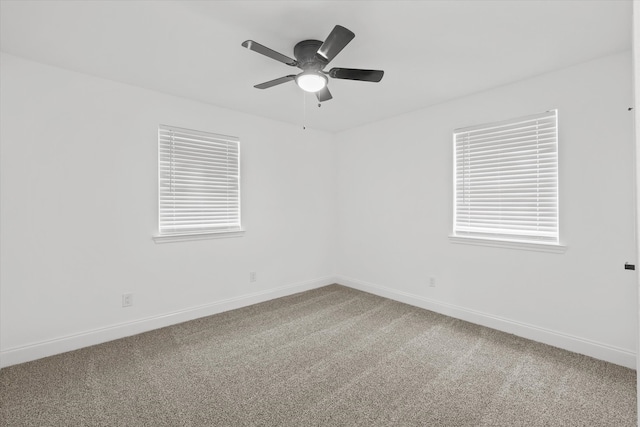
[431,51]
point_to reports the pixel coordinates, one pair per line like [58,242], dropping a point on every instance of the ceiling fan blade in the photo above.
[324,94]
[257,47]
[275,82]
[356,74]
[335,42]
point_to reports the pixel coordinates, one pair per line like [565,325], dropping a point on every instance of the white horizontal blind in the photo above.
[506,180]
[199,176]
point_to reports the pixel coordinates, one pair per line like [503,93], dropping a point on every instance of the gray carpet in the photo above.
[332,356]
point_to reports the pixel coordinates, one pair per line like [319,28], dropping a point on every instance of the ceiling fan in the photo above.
[312,56]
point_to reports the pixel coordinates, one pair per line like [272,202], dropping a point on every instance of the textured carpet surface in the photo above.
[332,356]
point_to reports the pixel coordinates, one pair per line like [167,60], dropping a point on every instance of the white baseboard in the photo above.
[15,355]
[594,349]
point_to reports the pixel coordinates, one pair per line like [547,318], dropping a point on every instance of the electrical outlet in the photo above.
[253,277]
[432,282]
[127,300]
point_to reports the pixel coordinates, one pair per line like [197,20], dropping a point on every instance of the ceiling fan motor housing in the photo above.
[305,53]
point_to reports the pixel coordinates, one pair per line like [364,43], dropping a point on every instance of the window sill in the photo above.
[536,247]
[168,238]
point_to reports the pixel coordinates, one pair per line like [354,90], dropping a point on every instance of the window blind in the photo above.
[199,182]
[506,180]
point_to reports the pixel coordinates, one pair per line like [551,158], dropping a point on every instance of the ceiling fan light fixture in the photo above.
[312,56]
[311,81]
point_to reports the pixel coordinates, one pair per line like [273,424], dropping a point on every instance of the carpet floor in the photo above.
[332,356]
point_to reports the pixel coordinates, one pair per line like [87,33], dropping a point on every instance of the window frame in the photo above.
[498,236]
[208,231]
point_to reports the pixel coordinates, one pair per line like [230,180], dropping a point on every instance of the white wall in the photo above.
[395,215]
[636,85]
[79,207]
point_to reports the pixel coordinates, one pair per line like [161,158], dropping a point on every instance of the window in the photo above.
[199,184]
[506,180]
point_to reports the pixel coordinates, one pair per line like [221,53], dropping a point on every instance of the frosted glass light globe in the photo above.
[311,81]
